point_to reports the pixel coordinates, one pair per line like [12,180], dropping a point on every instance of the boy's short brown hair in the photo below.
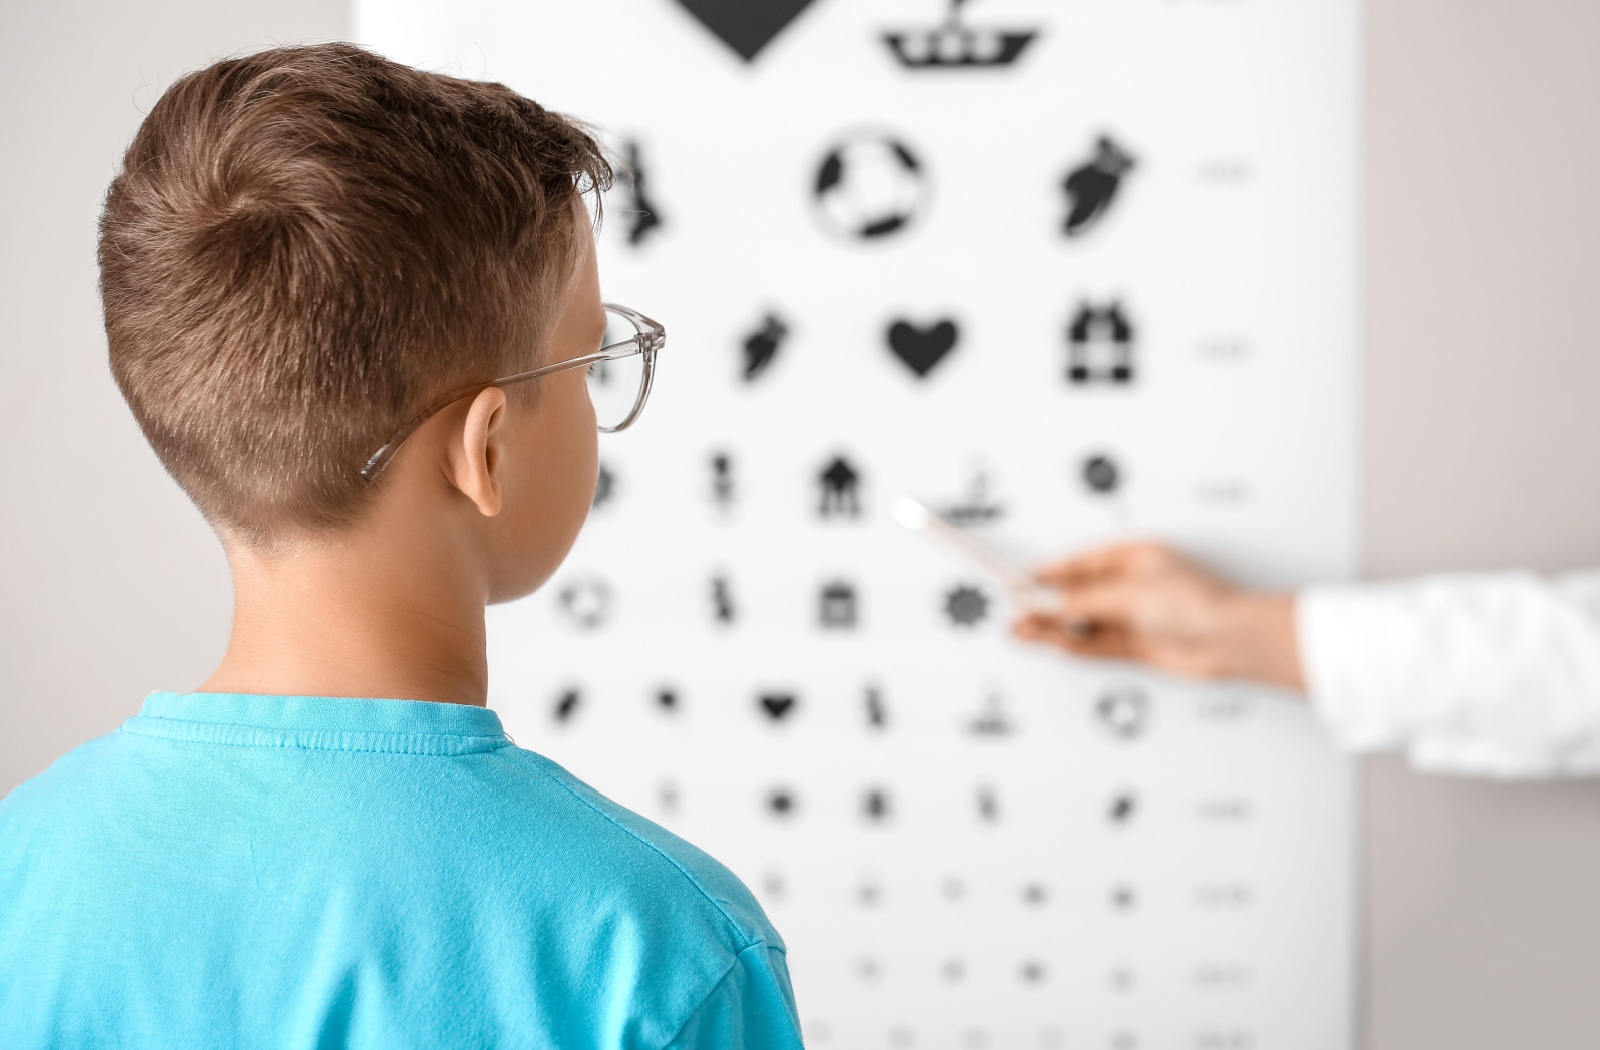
[307,244]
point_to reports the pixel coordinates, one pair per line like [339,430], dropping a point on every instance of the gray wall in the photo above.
[1483,380]
[110,582]
[1483,252]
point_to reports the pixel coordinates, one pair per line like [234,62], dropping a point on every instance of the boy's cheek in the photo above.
[547,493]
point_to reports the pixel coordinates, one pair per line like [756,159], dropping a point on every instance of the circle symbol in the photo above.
[870,186]
[1124,711]
[1101,475]
[586,602]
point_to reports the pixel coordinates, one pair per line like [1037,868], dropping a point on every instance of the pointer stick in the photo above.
[918,518]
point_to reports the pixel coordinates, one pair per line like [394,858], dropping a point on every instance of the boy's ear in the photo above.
[477,453]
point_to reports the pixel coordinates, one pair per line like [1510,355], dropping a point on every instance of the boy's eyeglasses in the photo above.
[620,375]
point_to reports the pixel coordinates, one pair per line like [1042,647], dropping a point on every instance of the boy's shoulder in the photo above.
[615,838]
[510,817]
[575,914]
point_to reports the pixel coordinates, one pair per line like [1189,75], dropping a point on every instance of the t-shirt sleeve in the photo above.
[752,1007]
[1493,674]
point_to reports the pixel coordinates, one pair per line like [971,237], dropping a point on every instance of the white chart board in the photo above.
[1069,270]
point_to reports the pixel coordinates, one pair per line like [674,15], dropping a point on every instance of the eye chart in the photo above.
[1066,272]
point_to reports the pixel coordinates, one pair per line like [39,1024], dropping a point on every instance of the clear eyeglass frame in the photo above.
[648,338]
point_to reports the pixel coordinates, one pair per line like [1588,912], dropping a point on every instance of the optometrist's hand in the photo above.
[1147,603]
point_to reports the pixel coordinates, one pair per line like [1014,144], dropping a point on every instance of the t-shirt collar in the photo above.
[347,723]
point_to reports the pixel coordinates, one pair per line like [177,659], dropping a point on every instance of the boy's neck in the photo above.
[392,617]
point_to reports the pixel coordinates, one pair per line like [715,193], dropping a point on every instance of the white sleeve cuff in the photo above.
[1348,674]
[1487,674]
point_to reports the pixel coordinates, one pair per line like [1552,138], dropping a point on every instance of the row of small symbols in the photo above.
[1101,347]
[873,187]
[839,483]
[1049,1037]
[1210,977]
[1122,711]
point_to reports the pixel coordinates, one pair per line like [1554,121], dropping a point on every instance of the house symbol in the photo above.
[841,486]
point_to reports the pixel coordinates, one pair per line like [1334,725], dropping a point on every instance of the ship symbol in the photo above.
[978,506]
[952,45]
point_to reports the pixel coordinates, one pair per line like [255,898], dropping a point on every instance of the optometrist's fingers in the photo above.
[1098,642]
[1116,560]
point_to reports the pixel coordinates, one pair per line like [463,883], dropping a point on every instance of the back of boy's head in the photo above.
[308,244]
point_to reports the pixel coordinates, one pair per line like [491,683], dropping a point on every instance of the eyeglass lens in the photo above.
[614,386]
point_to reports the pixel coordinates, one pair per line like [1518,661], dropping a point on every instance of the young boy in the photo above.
[333,843]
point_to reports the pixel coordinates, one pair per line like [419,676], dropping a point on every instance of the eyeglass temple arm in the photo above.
[654,337]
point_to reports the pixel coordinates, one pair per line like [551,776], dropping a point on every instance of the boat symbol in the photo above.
[952,45]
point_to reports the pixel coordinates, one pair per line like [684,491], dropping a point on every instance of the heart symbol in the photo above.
[777,705]
[747,26]
[922,348]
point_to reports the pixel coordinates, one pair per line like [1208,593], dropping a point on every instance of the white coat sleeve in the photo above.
[1495,675]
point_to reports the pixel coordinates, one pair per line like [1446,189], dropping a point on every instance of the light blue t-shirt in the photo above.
[267,871]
